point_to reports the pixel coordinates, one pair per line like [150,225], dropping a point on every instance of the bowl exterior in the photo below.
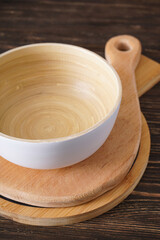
[51,155]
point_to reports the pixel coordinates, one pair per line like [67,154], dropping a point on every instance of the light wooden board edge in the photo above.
[63,216]
[147,74]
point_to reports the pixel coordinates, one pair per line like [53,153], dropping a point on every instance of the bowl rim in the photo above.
[97,124]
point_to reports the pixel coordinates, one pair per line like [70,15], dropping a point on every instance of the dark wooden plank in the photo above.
[89,23]
[85,23]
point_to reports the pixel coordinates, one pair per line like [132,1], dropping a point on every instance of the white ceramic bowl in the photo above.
[58,104]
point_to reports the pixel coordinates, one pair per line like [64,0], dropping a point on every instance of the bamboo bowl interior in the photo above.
[53,91]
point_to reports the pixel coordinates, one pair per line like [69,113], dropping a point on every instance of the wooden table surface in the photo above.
[89,23]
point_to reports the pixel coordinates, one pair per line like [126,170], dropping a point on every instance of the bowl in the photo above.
[58,104]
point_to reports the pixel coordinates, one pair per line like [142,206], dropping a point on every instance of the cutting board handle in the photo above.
[123,52]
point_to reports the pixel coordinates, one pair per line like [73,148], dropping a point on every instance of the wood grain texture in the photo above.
[70,215]
[47,89]
[147,74]
[89,23]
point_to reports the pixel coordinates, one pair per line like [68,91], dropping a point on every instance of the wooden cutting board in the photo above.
[68,215]
[97,174]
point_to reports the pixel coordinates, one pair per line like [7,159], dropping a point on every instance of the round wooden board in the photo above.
[62,216]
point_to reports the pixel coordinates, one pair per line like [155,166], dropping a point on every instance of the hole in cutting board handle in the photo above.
[124,47]
[123,50]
